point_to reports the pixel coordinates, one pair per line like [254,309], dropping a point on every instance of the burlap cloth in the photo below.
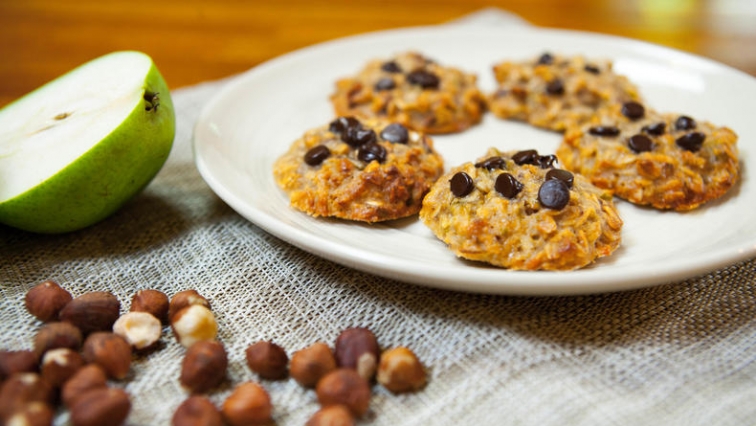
[682,354]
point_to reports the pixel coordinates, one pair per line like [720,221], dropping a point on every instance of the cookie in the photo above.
[664,160]
[412,90]
[369,171]
[554,92]
[516,210]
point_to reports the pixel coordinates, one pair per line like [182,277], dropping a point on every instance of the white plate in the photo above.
[256,117]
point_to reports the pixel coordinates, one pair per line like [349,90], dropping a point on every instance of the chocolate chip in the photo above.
[546,161]
[633,110]
[316,155]
[545,59]
[554,194]
[461,184]
[640,143]
[492,163]
[604,131]
[555,87]
[507,185]
[424,79]
[371,152]
[562,175]
[358,136]
[529,156]
[685,123]
[656,129]
[691,141]
[592,69]
[395,133]
[391,67]
[385,83]
[338,125]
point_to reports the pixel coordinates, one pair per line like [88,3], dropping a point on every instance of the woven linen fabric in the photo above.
[677,354]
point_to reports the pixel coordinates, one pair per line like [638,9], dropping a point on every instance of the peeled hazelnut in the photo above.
[268,360]
[183,299]
[204,366]
[45,300]
[32,414]
[21,389]
[152,301]
[197,411]
[310,364]
[88,377]
[332,415]
[248,404]
[17,362]
[101,407]
[110,351]
[344,386]
[93,311]
[141,329]
[58,365]
[400,371]
[193,324]
[56,335]
[357,348]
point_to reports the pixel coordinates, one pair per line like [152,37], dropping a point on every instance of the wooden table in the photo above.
[198,40]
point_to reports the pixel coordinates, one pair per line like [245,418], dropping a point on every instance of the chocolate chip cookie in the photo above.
[555,92]
[664,160]
[362,170]
[412,90]
[516,210]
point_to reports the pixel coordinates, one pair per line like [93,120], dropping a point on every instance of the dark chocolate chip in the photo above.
[592,69]
[685,123]
[554,194]
[633,110]
[529,156]
[691,141]
[461,184]
[640,143]
[317,155]
[424,79]
[492,163]
[395,133]
[609,131]
[385,83]
[371,152]
[562,175]
[507,185]
[391,67]
[546,161]
[338,125]
[656,129]
[545,59]
[358,136]
[555,87]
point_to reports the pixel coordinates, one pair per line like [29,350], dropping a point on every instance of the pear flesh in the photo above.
[75,150]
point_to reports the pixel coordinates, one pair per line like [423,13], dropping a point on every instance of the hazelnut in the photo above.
[400,371]
[56,335]
[357,348]
[346,387]
[308,365]
[248,404]
[58,365]
[32,414]
[101,407]
[88,377]
[110,351]
[183,299]
[93,311]
[17,362]
[21,389]
[45,300]
[204,366]
[193,324]
[332,415]
[197,411]
[141,329]
[152,301]
[268,360]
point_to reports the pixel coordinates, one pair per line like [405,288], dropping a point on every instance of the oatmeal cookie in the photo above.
[555,92]
[412,90]
[368,170]
[516,210]
[667,161]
